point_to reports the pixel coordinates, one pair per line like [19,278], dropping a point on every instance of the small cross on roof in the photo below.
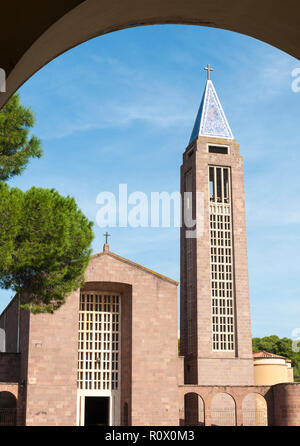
[106,235]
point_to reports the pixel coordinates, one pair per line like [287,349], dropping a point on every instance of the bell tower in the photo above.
[215,328]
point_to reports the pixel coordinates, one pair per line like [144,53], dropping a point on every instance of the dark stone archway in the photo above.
[194,410]
[33,32]
[8,409]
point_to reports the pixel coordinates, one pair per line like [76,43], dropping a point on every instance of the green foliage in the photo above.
[16,145]
[47,248]
[44,238]
[10,211]
[283,346]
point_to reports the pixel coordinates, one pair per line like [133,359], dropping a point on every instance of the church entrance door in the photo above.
[96,411]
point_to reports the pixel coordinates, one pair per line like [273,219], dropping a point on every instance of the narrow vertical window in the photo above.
[226,185]
[189,271]
[211,184]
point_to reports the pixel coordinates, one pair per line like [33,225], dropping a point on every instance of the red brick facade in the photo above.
[48,345]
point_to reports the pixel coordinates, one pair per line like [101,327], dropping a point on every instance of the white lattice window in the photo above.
[99,342]
[221,259]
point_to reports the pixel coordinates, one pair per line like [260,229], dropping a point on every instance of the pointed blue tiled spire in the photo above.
[211,120]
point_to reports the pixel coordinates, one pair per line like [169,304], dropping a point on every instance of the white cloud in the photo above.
[109,94]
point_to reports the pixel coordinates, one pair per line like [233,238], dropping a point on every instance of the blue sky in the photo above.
[120,109]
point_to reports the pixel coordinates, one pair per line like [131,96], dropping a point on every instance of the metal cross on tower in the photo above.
[208,69]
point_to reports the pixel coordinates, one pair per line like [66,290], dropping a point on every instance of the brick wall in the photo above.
[52,366]
[286,404]
[10,367]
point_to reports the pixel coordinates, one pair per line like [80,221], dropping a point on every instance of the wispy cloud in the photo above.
[84,105]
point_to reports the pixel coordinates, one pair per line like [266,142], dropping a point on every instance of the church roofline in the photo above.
[122,259]
[10,303]
[263,354]
[137,265]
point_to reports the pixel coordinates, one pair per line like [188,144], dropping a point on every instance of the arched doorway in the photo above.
[255,410]
[223,410]
[193,410]
[8,409]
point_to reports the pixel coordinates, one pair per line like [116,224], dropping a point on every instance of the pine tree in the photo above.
[16,144]
[49,249]
[44,238]
[10,216]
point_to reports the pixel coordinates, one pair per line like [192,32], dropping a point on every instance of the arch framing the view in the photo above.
[56,29]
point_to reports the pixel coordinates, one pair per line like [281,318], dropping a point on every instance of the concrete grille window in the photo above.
[221,261]
[99,342]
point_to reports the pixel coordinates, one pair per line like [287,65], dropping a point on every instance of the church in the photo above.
[109,355]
